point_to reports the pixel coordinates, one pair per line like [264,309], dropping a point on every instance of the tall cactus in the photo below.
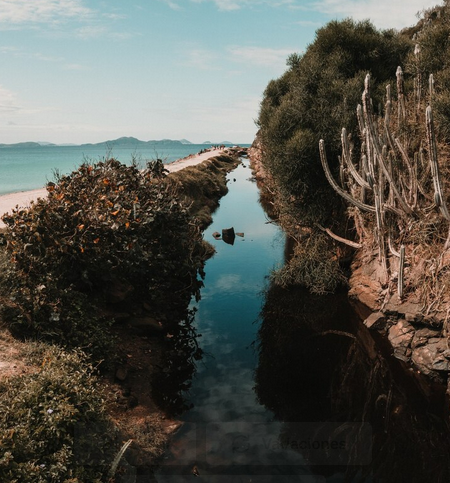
[388,176]
[401,96]
[439,198]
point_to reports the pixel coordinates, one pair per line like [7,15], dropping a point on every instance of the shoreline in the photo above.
[24,198]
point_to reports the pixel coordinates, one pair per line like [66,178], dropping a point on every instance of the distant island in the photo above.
[217,144]
[122,141]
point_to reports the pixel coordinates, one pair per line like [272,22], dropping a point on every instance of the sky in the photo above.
[80,71]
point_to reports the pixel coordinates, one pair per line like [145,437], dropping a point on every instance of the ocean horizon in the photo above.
[29,168]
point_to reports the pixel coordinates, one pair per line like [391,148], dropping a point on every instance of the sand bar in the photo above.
[23,198]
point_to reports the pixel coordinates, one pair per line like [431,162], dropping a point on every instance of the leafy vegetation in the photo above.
[53,424]
[432,36]
[107,237]
[309,268]
[317,95]
[200,187]
[315,98]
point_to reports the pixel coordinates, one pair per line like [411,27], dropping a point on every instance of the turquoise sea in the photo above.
[23,169]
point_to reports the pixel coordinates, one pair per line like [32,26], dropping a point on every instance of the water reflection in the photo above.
[318,377]
[180,355]
[319,364]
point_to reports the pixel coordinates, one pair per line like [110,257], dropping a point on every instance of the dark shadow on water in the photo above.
[317,375]
[319,364]
[172,381]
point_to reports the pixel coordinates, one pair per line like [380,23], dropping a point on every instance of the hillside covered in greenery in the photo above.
[315,98]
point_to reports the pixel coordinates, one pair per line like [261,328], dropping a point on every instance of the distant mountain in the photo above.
[126,141]
[217,144]
[136,143]
[21,145]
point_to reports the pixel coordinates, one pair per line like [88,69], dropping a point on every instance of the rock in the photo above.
[172,427]
[122,373]
[411,318]
[240,234]
[432,321]
[422,336]
[433,356]
[216,235]
[366,295]
[149,324]
[376,321]
[407,310]
[400,336]
[228,235]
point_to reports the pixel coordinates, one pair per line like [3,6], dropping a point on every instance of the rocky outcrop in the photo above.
[255,156]
[417,338]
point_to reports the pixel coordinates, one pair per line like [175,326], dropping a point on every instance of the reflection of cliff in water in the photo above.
[317,362]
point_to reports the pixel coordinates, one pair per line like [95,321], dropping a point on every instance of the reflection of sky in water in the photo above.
[227,319]
[230,305]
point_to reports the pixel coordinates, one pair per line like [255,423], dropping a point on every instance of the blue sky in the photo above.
[75,71]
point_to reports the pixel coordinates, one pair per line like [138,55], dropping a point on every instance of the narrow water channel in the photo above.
[291,387]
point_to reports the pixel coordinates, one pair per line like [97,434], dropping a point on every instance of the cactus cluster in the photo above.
[387,180]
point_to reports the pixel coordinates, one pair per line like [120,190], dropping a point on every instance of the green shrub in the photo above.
[200,187]
[106,237]
[432,34]
[313,266]
[53,425]
[314,99]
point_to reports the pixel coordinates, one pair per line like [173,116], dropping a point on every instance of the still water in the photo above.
[290,387]
[23,169]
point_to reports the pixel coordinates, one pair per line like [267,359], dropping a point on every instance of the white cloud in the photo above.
[17,14]
[308,23]
[228,5]
[172,5]
[8,100]
[75,67]
[261,56]
[91,31]
[41,11]
[383,13]
[16,52]
[201,59]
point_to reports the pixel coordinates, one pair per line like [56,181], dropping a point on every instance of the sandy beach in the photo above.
[23,198]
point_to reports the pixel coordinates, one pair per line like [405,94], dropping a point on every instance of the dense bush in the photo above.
[313,100]
[53,425]
[106,236]
[432,35]
[310,269]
